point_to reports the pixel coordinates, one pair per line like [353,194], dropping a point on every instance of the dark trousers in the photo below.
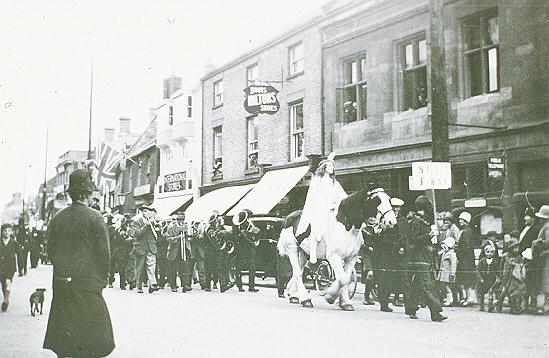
[22,260]
[385,279]
[188,270]
[422,287]
[162,274]
[121,264]
[245,259]
[34,256]
[175,268]
[216,267]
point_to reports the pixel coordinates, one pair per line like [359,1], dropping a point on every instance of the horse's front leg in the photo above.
[333,291]
[344,300]
[297,291]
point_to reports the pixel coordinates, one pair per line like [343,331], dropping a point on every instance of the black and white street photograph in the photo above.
[255,178]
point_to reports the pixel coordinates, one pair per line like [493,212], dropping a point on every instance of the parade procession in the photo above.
[339,177]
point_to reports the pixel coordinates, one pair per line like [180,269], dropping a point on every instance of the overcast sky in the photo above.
[45,55]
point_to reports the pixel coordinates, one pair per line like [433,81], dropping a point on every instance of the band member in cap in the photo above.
[217,259]
[79,323]
[422,286]
[176,236]
[198,249]
[8,251]
[322,201]
[246,240]
[144,248]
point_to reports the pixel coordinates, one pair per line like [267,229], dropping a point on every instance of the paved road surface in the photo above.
[233,324]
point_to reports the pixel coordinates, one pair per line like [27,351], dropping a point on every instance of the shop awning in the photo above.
[166,206]
[221,200]
[270,190]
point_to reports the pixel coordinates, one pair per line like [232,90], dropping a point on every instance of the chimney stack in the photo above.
[124,126]
[171,85]
[109,135]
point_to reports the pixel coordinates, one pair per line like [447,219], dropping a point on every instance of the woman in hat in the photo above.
[465,251]
[527,236]
[79,323]
[322,200]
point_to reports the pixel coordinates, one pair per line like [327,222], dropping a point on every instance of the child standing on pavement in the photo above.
[447,271]
[488,277]
[8,250]
[512,279]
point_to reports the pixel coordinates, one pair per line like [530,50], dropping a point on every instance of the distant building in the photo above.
[178,139]
[13,209]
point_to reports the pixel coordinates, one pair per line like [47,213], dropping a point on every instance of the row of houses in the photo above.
[358,80]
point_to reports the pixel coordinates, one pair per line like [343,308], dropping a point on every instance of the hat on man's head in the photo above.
[80,181]
[465,216]
[543,212]
[396,202]
[422,203]
[449,242]
[491,233]
[147,207]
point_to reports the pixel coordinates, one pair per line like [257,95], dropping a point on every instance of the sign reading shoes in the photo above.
[175,182]
[261,99]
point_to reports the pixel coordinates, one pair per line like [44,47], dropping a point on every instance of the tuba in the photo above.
[218,236]
[248,229]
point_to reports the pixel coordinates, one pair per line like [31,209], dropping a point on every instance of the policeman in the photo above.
[246,239]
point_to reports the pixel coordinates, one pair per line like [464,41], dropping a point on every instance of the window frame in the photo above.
[295,134]
[189,106]
[255,81]
[217,135]
[292,61]
[359,86]
[170,115]
[250,142]
[217,92]
[413,70]
[482,49]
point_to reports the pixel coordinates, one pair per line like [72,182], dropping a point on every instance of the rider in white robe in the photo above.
[322,201]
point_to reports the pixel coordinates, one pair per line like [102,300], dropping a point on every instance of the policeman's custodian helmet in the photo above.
[80,181]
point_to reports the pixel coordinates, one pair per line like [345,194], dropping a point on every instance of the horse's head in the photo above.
[385,215]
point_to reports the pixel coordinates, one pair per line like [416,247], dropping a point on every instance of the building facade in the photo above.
[377,70]
[178,140]
[240,146]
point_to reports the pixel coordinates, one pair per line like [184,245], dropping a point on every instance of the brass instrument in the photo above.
[248,229]
[217,239]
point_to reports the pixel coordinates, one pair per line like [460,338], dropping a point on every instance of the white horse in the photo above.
[340,244]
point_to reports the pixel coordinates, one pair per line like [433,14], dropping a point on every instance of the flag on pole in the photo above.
[106,160]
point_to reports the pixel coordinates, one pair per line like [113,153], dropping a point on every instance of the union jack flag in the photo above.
[106,159]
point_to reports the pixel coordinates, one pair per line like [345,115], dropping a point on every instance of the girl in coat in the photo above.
[512,279]
[447,271]
[488,277]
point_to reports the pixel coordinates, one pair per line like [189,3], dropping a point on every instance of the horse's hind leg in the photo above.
[300,292]
[333,291]
[344,300]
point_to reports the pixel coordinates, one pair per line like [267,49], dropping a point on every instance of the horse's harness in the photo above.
[373,193]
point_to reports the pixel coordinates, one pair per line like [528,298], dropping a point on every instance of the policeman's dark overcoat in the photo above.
[78,247]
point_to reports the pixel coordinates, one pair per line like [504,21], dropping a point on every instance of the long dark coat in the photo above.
[465,251]
[7,258]
[78,246]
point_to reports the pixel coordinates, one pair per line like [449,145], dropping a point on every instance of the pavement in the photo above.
[233,324]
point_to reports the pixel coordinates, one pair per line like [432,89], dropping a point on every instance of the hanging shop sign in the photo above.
[496,167]
[261,99]
[174,182]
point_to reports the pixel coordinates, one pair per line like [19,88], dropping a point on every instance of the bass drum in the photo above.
[324,276]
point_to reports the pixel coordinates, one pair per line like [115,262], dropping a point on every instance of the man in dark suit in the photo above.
[246,237]
[144,248]
[79,323]
[177,253]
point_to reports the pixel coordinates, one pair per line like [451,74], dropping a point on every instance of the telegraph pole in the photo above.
[44,186]
[439,96]
[90,124]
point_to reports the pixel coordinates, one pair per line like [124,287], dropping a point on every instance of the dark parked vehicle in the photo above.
[266,251]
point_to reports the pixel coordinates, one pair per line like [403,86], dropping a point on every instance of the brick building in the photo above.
[377,88]
[238,147]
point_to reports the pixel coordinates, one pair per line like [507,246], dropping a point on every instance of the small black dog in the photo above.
[37,298]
